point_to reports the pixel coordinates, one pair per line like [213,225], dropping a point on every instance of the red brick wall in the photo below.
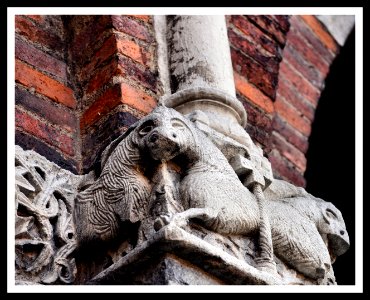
[82,80]
[114,63]
[44,95]
[280,65]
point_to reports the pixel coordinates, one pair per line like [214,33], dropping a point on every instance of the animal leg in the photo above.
[181,219]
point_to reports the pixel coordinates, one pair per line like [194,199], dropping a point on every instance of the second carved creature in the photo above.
[210,190]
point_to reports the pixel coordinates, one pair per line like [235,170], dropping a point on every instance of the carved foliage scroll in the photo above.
[44,228]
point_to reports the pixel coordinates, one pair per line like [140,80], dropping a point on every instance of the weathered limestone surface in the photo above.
[169,208]
[194,206]
[45,236]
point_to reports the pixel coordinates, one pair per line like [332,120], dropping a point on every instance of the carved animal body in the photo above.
[210,189]
[119,194]
[303,229]
[212,193]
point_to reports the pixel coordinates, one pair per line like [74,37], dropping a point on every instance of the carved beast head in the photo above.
[165,134]
[332,227]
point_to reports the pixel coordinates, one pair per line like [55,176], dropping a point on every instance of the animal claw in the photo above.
[178,219]
[161,221]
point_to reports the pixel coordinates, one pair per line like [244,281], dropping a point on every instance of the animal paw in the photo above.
[179,220]
[161,221]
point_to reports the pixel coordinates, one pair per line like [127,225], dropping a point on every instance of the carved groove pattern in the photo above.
[44,228]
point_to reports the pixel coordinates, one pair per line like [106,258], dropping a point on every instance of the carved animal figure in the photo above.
[210,189]
[212,193]
[303,230]
[120,194]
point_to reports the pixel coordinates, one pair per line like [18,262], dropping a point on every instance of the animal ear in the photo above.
[110,148]
[199,116]
[329,215]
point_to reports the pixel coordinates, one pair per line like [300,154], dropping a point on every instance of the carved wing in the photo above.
[297,241]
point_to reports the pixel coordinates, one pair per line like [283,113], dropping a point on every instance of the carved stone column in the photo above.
[201,73]
[201,77]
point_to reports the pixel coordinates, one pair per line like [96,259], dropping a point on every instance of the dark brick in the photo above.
[40,59]
[35,34]
[139,73]
[28,142]
[296,99]
[255,34]
[292,135]
[132,27]
[102,133]
[44,131]
[259,124]
[256,116]
[254,72]
[269,27]
[103,76]
[50,23]
[104,54]
[270,63]
[283,169]
[259,136]
[312,39]
[106,102]
[301,84]
[37,18]
[112,97]
[54,114]
[282,20]
[87,34]
[306,69]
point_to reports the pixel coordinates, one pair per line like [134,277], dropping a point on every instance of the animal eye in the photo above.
[177,124]
[146,129]
[331,214]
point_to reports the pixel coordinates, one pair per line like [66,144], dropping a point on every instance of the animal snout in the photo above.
[158,137]
[154,137]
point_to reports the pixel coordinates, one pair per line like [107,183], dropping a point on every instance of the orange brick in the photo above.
[137,99]
[321,33]
[253,94]
[44,84]
[122,93]
[293,117]
[131,49]
[36,18]
[144,18]
[44,131]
